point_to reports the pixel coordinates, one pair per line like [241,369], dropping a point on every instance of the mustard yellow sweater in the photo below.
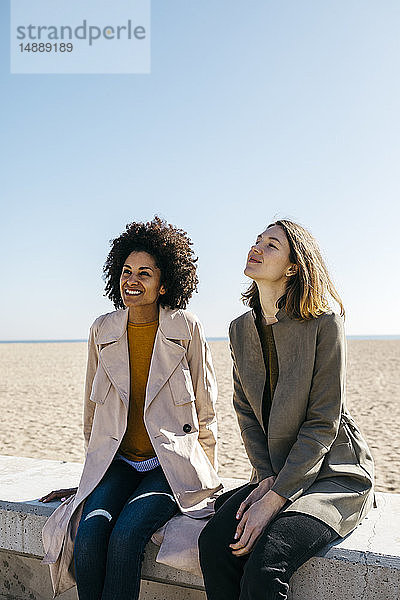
[136,444]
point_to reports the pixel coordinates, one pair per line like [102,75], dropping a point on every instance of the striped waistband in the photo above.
[142,465]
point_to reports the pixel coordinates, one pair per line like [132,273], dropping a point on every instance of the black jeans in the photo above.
[285,544]
[118,519]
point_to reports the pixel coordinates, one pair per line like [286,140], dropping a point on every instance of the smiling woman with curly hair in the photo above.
[149,419]
[172,252]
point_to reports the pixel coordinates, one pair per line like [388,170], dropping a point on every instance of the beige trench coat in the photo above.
[181,390]
[312,445]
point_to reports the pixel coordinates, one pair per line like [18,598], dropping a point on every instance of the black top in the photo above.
[271,366]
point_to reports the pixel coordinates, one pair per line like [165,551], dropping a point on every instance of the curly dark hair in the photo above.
[171,249]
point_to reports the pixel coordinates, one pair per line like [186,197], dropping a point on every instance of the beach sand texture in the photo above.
[41,388]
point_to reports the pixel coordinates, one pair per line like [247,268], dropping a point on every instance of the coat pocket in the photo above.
[100,387]
[181,386]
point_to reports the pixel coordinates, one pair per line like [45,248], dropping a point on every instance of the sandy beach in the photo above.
[41,403]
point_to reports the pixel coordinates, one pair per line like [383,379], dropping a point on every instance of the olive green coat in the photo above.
[311,444]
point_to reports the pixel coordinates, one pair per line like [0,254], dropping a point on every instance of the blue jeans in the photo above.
[118,519]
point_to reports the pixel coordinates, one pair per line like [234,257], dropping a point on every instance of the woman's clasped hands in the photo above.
[254,514]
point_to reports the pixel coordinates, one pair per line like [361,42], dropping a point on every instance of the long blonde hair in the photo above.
[307,291]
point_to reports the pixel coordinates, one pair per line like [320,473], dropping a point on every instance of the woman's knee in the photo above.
[93,533]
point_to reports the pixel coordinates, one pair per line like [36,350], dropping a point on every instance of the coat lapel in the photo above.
[253,360]
[255,366]
[167,353]
[114,354]
[115,359]
[166,357]
[290,343]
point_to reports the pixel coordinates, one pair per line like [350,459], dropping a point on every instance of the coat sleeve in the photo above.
[91,368]
[253,436]
[322,419]
[205,390]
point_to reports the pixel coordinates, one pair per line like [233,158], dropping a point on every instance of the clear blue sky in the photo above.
[252,111]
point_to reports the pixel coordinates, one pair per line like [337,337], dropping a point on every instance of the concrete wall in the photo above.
[363,566]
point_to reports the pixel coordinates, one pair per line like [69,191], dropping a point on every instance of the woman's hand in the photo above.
[254,520]
[58,495]
[263,487]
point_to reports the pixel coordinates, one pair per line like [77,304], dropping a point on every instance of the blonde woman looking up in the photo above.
[312,478]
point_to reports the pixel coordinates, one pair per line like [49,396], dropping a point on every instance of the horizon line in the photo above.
[209,339]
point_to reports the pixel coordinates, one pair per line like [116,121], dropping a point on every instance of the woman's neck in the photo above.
[269,296]
[143,314]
